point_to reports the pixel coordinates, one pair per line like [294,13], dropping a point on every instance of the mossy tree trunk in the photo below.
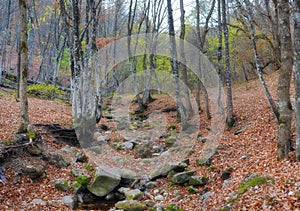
[283,89]
[23,68]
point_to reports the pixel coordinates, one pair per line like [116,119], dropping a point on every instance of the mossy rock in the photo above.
[130,205]
[252,182]
[172,207]
[192,190]
[62,184]
[170,141]
[204,161]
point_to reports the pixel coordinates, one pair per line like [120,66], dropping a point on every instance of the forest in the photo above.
[160,105]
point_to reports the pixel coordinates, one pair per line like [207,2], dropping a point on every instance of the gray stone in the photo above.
[197,180]
[159,198]
[34,149]
[62,184]
[143,150]
[103,139]
[125,145]
[105,180]
[34,171]
[70,201]
[56,159]
[130,205]
[77,172]
[150,185]
[183,177]
[38,201]
[162,171]
[134,194]
[204,161]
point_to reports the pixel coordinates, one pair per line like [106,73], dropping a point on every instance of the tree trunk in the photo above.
[220,65]
[257,61]
[283,90]
[296,17]
[230,119]
[175,66]
[23,67]
[182,67]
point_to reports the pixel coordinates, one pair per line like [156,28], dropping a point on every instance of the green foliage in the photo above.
[171,127]
[256,181]
[192,190]
[172,207]
[8,142]
[211,168]
[82,179]
[31,134]
[48,92]
[89,167]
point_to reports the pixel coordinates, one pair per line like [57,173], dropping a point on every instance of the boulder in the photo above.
[105,180]
[134,194]
[162,171]
[130,205]
[34,150]
[62,184]
[70,201]
[34,171]
[183,177]
[56,159]
[197,181]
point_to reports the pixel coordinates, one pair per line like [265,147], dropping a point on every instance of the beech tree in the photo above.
[283,89]
[296,23]
[23,51]
[229,119]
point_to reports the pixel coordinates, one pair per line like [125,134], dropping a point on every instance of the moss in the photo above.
[31,135]
[192,190]
[172,207]
[171,127]
[8,142]
[75,186]
[251,183]
[89,167]
[211,168]
[82,180]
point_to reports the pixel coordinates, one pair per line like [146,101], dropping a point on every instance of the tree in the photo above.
[175,65]
[296,18]
[230,119]
[257,60]
[23,67]
[283,89]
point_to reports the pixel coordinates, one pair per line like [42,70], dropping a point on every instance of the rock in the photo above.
[143,150]
[56,159]
[125,146]
[204,191]
[170,141]
[75,154]
[162,171]
[34,150]
[197,181]
[150,185]
[128,176]
[62,184]
[159,198]
[183,177]
[70,201]
[192,190]
[226,174]
[38,202]
[103,139]
[34,171]
[130,205]
[105,180]
[77,172]
[204,161]
[134,194]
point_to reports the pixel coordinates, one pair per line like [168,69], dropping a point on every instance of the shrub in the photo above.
[48,92]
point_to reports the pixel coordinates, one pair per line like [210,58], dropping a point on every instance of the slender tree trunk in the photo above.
[257,61]
[23,67]
[285,108]
[182,67]
[220,65]
[296,17]
[230,119]
[174,65]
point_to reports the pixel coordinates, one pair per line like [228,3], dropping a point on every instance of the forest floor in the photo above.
[253,151]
